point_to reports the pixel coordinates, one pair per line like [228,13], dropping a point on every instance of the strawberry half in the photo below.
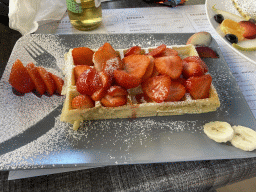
[177,92]
[149,70]
[82,102]
[136,65]
[48,80]
[79,69]
[199,87]
[157,88]
[158,50]
[126,80]
[106,59]
[249,29]
[198,60]
[192,69]
[107,48]
[88,82]
[36,78]
[106,83]
[116,96]
[20,79]
[117,91]
[135,50]
[82,56]
[169,65]
[58,82]
[168,52]
[109,101]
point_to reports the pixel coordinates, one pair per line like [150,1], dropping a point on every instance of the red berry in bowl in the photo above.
[249,29]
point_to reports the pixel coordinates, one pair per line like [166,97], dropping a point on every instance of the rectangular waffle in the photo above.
[133,109]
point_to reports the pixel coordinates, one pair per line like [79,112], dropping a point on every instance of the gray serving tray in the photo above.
[32,136]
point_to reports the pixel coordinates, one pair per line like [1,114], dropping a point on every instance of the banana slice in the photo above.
[219,131]
[244,138]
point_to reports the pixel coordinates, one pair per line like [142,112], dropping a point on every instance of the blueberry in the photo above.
[231,38]
[218,18]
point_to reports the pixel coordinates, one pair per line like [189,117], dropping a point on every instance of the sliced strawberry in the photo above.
[107,48]
[99,94]
[111,65]
[48,80]
[197,59]
[249,29]
[117,91]
[157,88]
[105,81]
[199,87]
[177,92]
[192,69]
[58,82]
[135,50]
[169,65]
[168,52]
[82,102]
[116,96]
[109,101]
[19,78]
[136,64]
[157,51]
[106,59]
[79,69]
[149,70]
[126,80]
[36,78]
[82,56]
[206,52]
[88,82]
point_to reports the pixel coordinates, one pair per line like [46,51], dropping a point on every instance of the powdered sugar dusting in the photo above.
[114,139]
[30,155]
[21,112]
[104,142]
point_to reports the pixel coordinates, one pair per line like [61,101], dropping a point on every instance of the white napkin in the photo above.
[26,15]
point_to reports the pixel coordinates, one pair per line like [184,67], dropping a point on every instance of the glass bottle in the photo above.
[85,15]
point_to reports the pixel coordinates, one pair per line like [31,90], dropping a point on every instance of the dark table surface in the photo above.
[177,176]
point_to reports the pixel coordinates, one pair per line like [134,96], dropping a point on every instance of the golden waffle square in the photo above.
[133,109]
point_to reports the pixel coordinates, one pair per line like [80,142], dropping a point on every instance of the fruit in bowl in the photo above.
[237,30]
[202,41]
